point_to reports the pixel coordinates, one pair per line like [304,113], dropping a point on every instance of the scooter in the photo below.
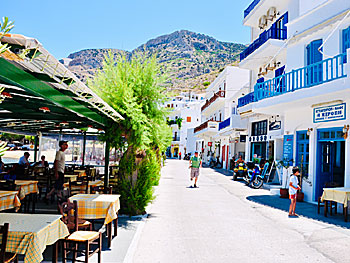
[240,170]
[254,177]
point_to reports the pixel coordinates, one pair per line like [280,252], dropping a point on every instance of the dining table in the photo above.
[9,200]
[30,234]
[26,187]
[99,206]
[70,177]
[80,172]
[339,195]
[92,184]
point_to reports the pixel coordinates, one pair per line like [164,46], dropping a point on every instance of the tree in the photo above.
[133,88]
[5,27]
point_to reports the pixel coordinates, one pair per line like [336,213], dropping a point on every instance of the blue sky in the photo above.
[64,27]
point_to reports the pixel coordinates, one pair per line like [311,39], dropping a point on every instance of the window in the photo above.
[303,151]
[259,128]
[188,119]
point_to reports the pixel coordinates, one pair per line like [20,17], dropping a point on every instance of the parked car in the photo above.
[15,146]
[28,147]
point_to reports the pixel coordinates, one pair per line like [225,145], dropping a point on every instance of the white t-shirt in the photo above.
[60,161]
[294,180]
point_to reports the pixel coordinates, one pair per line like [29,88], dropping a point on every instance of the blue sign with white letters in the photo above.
[330,113]
[288,142]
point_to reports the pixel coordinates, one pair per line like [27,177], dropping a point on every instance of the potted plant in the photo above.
[286,164]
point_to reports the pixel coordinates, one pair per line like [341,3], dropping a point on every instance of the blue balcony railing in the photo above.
[305,77]
[245,100]
[224,124]
[250,7]
[272,33]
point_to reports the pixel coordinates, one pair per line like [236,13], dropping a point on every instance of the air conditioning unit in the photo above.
[262,22]
[271,13]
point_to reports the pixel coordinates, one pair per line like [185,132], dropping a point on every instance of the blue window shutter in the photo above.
[308,54]
[312,53]
[279,71]
[346,39]
[316,55]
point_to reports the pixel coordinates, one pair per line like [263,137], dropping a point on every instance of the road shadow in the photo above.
[303,209]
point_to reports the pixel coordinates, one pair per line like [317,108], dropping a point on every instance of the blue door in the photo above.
[314,71]
[330,160]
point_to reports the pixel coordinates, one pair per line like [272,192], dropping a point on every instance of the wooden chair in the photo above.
[4,256]
[69,213]
[78,187]
[8,185]
[41,174]
[83,238]
[101,190]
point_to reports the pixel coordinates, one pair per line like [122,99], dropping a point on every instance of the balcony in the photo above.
[315,74]
[272,33]
[225,123]
[219,94]
[250,7]
[245,100]
[210,127]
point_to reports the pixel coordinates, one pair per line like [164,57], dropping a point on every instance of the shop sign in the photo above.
[330,113]
[288,149]
[275,125]
[210,144]
[259,138]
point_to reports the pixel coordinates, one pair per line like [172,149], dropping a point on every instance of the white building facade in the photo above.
[298,112]
[216,113]
[184,115]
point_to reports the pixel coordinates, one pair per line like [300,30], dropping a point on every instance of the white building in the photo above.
[219,107]
[299,110]
[184,110]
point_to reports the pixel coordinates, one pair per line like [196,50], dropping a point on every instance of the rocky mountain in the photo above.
[191,60]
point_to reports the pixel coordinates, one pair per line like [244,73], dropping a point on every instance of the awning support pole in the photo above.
[36,142]
[106,181]
[84,148]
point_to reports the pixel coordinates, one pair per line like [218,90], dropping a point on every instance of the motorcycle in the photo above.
[254,177]
[240,170]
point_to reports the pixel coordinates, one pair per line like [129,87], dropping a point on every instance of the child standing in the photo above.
[293,188]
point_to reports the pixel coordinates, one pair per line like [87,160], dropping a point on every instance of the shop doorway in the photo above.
[331,160]
[258,150]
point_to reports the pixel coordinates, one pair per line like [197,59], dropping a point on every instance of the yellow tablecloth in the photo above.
[30,234]
[9,200]
[339,194]
[72,177]
[80,172]
[95,206]
[26,187]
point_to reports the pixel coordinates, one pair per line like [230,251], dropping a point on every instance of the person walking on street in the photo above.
[180,156]
[59,165]
[293,188]
[195,164]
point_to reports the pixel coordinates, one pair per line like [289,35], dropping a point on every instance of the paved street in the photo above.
[219,222]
